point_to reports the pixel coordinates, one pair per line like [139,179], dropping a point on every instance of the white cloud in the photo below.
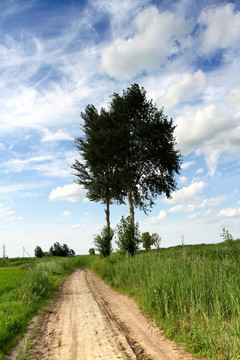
[222,27]
[156,37]
[48,164]
[230,212]
[77,226]
[193,131]
[200,214]
[182,180]
[6,212]
[57,136]
[185,89]
[199,171]
[215,201]
[72,192]
[157,219]
[233,98]
[65,213]
[187,164]
[187,194]
[208,132]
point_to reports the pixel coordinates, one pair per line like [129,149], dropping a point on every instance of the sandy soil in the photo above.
[88,320]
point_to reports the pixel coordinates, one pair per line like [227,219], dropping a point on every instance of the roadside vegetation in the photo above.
[25,287]
[192,292]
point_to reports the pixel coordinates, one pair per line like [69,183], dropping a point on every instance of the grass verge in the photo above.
[193,294]
[23,292]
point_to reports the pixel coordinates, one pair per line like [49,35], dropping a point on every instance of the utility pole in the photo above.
[4,251]
[25,251]
[182,240]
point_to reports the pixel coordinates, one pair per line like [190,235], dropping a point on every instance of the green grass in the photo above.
[10,278]
[193,293]
[23,292]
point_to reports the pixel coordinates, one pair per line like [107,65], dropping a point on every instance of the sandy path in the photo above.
[88,320]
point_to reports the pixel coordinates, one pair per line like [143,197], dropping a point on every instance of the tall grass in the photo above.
[194,296]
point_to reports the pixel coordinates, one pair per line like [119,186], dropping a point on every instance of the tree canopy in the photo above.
[127,151]
[147,156]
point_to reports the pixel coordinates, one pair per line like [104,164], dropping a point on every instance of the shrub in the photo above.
[103,242]
[128,236]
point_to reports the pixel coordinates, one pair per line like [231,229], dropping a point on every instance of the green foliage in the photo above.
[156,241]
[91,251]
[103,241]
[38,252]
[146,156]
[61,250]
[146,241]
[128,236]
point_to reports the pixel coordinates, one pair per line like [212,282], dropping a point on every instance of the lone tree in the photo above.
[147,157]
[38,252]
[98,170]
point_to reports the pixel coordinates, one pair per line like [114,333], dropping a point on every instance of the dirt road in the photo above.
[88,320]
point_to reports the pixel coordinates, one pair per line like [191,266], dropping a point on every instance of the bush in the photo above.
[128,236]
[103,242]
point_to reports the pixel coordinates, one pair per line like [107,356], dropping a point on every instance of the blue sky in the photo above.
[58,56]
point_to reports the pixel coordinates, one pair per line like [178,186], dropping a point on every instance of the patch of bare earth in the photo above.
[88,320]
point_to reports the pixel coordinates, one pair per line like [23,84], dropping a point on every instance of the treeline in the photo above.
[55,250]
[127,152]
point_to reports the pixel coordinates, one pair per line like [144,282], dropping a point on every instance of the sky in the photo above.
[58,56]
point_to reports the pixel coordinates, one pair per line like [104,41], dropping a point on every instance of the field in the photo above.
[192,292]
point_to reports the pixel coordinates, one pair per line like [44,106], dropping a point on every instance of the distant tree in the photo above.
[91,251]
[128,236]
[61,250]
[103,241]
[147,241]
[38,252]
[156,241]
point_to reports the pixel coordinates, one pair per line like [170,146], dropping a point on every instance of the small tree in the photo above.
[103,241]
[91,251]
[156,241]
[38,252]
[128,236]
[146,240]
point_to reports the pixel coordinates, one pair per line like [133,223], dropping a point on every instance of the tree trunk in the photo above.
[130,203]
[108,216]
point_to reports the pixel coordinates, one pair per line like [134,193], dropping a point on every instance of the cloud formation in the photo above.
[72,192]
[157,36]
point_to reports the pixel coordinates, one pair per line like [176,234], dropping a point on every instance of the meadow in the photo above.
[192,292]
